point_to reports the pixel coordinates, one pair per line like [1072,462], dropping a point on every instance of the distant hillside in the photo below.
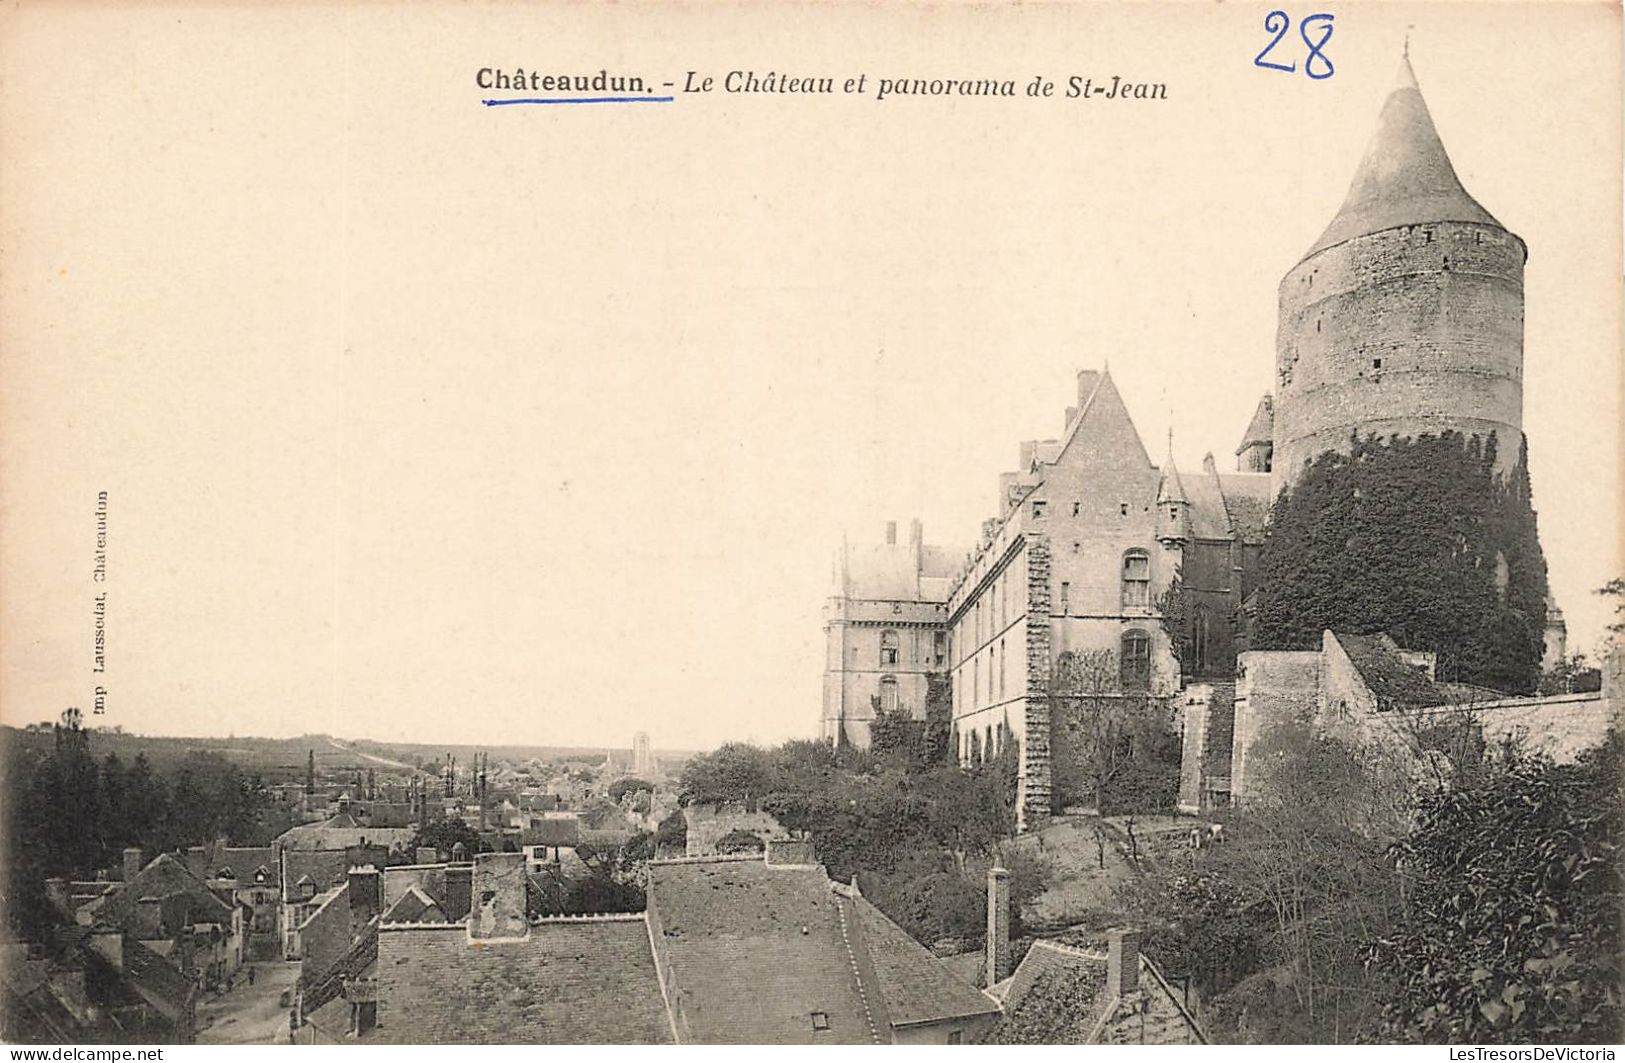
[277,759]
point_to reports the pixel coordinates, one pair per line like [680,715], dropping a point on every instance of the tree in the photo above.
[1115,750]
[1419,538]
[621,787]
[734,773]
[443,834]
[1510,929]
[1570,674]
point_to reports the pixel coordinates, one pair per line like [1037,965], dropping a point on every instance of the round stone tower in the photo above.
[1406,316]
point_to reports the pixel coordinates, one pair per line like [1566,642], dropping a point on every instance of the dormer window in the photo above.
[1173,512]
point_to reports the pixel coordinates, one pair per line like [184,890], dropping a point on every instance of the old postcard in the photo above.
[792,523]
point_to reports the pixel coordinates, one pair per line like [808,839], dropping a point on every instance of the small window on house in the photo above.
[1076,508]
[939,646]
[1066,596]
[956,1037]
[1136,578]
[820,1020]
[1376,363]
[1038,508]
[1122,509]
[888,648]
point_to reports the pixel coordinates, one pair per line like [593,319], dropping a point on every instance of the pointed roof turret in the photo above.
[1405,177]
[1261,429]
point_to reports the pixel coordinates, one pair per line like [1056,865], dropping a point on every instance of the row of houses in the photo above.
[760,949]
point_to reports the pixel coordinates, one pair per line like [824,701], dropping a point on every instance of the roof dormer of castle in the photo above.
[1405,177]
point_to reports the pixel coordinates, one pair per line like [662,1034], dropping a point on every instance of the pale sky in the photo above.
[428,421]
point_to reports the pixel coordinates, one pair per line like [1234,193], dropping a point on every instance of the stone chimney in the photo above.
[499,896]
[790,852]
[1123,962]
[891,533]
[365,890]
[998,925]
[132,863]
[459,891]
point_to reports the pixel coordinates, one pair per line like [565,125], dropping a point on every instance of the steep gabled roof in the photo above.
[918,987]
[1406,177]
[754,952]
[166,877]
[1261,429]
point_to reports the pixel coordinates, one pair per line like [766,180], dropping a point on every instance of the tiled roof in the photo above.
[321,836]
[918,987]
[589,981]
[754,952]
[245,862]
[1261,429]
[552,832]
[1247,500]
[156,979]
[165,877]
[1393,681]
[1055,996]
[415,906]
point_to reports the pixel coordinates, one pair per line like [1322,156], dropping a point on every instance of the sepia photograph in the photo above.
[947,522]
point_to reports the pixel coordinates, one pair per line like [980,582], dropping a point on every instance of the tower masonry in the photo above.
[1406,316]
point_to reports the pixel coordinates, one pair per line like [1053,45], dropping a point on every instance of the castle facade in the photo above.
[1405,317]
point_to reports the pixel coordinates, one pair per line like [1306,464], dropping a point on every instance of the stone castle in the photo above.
[1404,317]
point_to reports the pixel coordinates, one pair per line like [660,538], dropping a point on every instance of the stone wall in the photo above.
[1271,685]
[1412,329]
[709,824]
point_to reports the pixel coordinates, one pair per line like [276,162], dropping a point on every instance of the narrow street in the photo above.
[249,1014]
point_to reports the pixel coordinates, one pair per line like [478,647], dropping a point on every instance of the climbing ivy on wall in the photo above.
[1416,537]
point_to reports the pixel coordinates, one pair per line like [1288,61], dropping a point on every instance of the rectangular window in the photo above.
[939,647]
[1137,580]
[1066,596]
[1076,507]
[956,1037]
[1038,509]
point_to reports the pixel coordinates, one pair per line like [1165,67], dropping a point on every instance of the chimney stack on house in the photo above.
[499,896]
[1123,962]
[998,925]
[459,891]
[132,863]
[366,895]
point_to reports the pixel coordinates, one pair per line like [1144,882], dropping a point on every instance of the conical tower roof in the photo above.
[1405,177]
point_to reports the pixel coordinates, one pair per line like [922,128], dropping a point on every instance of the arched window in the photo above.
[1136,579]
[975,747]
[976,681]
[1001,668]
[888,649]
[992,750]
[1134,662]
[888,693]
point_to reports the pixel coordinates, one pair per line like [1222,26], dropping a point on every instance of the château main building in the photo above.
[1404,317]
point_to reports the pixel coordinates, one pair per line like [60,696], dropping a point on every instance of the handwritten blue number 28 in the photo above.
[1278,22]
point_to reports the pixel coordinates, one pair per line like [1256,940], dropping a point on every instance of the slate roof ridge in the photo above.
[714,858]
